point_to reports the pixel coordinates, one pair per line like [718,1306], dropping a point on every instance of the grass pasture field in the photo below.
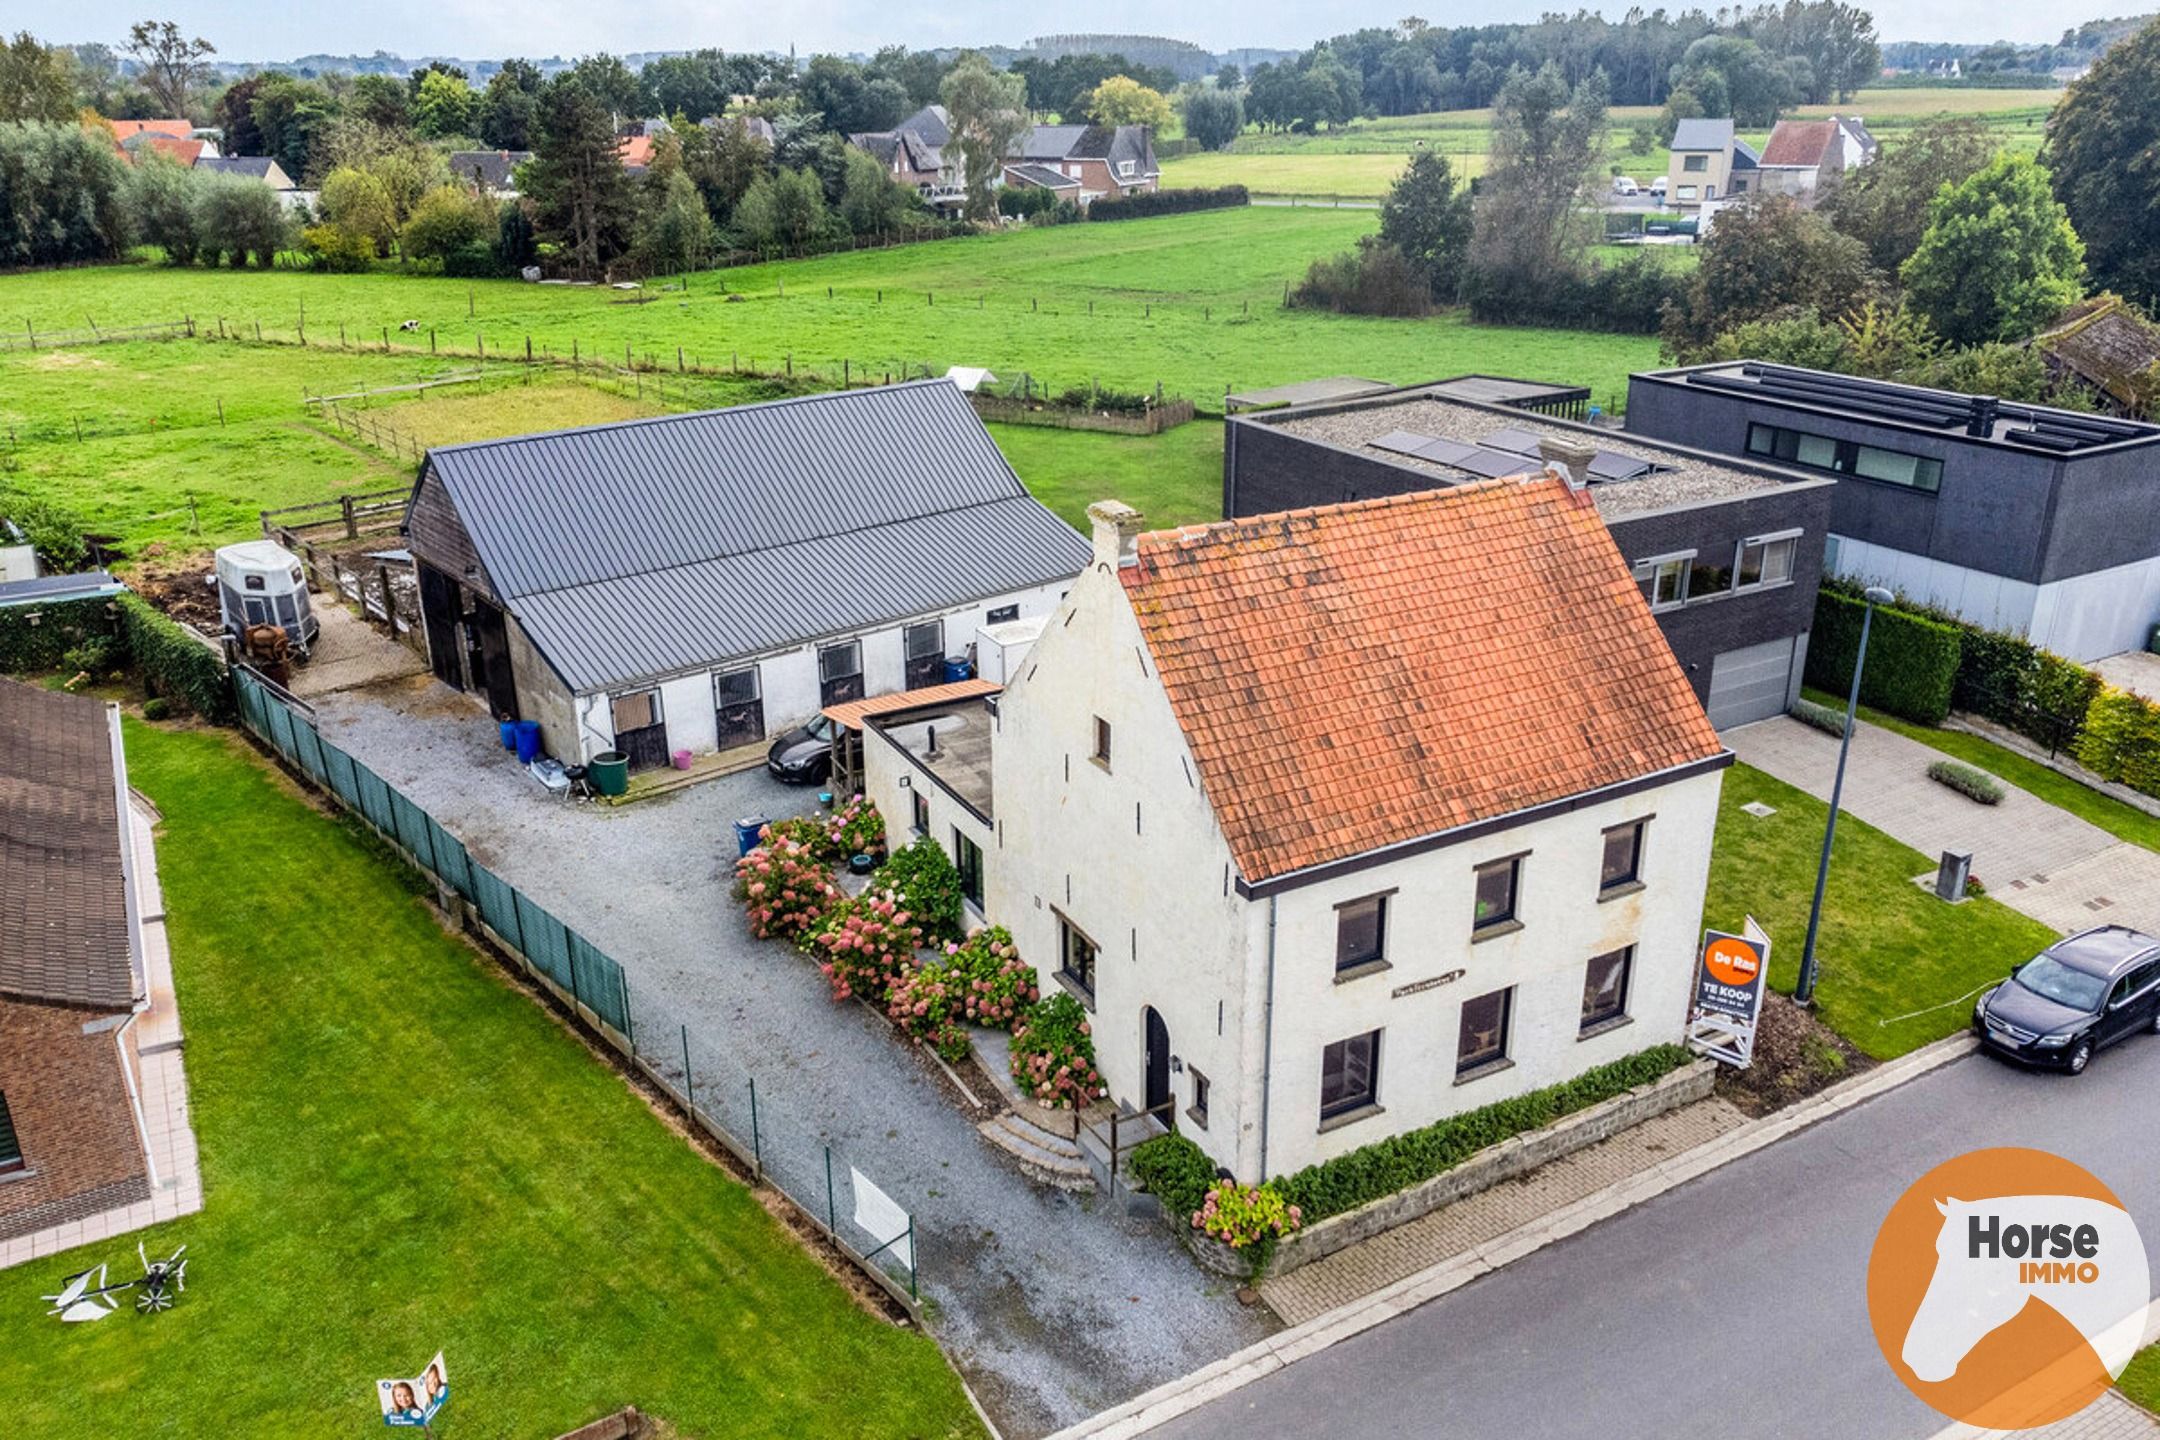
[1361,159]
[402,1153]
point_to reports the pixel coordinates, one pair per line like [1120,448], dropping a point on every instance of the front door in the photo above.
[1158,1062]
[640,729]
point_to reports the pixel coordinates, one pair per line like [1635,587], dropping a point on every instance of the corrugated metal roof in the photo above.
[655,546]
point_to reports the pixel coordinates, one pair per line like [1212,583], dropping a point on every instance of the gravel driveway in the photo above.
[1053,1306]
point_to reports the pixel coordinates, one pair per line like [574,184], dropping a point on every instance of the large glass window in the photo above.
[968,860]
[1707,576]
[1360,933]
[1349,1075]
[1767,562]
[1664,581]
[1845,457]
[1484,1038]
[1605,987]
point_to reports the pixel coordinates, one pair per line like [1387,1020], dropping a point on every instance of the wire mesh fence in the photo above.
[718,1092]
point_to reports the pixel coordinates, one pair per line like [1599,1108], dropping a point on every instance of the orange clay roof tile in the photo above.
[1354,676]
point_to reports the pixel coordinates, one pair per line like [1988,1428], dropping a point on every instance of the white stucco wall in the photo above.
[789,677]
[891,781]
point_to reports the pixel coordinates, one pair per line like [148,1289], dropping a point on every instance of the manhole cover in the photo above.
[1759,810]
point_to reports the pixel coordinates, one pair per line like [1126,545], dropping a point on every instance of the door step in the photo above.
[1041,1154]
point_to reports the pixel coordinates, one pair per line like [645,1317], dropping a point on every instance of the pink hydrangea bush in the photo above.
[867,946]
[857,829]
[784,887]
[814,833]
[1246,1217]
[1053,1058]
[994,982]
[923,1004]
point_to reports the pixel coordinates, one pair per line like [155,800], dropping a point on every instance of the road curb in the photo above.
[1235,1371]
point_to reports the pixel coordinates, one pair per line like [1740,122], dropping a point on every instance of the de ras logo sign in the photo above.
[2008,1288]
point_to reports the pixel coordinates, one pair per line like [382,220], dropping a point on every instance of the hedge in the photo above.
[1142,204]
[2122,740]
[1386,1166]
[2010,680]
[1175,1171]
[1912,660]
[35,637]
[174,663]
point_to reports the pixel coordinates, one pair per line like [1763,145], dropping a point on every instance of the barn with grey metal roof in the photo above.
[589,563]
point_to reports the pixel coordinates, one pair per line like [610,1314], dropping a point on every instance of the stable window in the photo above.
[1605,987]
[1767,561]
[739,706]
[921,812]
[925,653]
[1002,614]
[1483,1043]
[1664,579]
[1197,1112]
[1622,865]
[1101,755]
[840,673]
[1076,957]
[1695,162]
[640,728]
[1349,1075]
[1361,933]
[968,860]
[11,1156]
[1497,883]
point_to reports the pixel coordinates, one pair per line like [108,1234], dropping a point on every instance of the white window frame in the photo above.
[1775,537]
[1654,563]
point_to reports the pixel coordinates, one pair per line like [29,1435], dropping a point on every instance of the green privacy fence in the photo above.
[719,1096]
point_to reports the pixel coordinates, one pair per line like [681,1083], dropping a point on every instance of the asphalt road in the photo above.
[1733,1306]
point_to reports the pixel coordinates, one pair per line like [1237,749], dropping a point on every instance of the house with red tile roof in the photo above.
[1803,158]
[1343,820]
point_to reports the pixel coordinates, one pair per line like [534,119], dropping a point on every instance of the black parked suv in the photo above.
[2074,998]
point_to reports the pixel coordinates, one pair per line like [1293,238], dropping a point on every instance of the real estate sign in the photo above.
[1729,993]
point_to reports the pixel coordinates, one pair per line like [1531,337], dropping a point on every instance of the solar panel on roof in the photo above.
[1493,464]
[1402,442]
[1612,465]
[1444,452]
[1518,442]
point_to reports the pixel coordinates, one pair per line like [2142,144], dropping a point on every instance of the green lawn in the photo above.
[1888,947]
[2122,821]
[2141,1381]
[1192,302]
[1174,478]
[401,1153]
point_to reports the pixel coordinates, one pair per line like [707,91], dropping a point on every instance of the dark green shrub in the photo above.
[1912,661]
[1386,1166]
[56,533]
[175,664]
[38,637]
[1025,201]
[1971,783]
[1173,1170]
[157,707]
[1143,203]
[472,262]
[97,655]
[924,879]
[2010,680]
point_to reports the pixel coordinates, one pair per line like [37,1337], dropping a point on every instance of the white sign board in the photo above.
[414,1403]
[888,1224]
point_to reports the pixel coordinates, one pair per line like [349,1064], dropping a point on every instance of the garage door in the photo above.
[1750,683]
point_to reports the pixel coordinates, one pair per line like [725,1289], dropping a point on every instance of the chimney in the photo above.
[1571,458]
[1982,423]
[1116,525]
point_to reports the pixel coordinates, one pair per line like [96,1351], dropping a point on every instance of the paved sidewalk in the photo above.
[2062,871]
[1372,1265]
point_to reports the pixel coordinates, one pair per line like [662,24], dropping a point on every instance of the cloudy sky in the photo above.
[252,30]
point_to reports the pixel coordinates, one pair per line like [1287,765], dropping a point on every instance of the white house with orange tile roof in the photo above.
[1344,820]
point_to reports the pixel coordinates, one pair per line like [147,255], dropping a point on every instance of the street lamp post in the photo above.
[1804,991]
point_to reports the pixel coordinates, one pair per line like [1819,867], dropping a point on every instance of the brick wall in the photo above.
[69,1100]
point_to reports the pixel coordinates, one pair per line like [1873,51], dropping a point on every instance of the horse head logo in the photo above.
[2081,1257]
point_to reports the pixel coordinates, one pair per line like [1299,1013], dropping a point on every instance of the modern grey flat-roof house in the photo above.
[2022,518]
[696,582]
[1727,553]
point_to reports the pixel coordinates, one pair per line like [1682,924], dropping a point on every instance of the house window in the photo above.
[1706,577]
[1688,192]
[1605,987]
[1622,866]
[1125,168]
[1102,743]
[1076,957]
[921,809]
[925,653]
[11,1156]
[1845,457]
[1767,561]
[840,673]
[1695,162]
[1739,185]
[1664,580]
[1361,933]
[1349,1072]
[968,860]
[1497,883]
[1484,1041]
[1198,1110]
[1002,614]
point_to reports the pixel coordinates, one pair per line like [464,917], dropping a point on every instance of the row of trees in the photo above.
[66,197]
[1745,63]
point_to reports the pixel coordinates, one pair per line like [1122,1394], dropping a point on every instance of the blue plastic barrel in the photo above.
[509,734]
[528,741]
[957,670]
[747,831]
